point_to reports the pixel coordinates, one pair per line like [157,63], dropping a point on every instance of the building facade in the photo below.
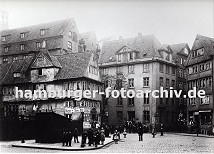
[51,60]
[146,65]
[200,75]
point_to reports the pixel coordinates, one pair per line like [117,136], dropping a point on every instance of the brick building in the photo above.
[200,68]
[146,65]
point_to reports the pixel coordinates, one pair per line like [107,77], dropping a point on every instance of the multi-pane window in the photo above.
[146,81]
[3,38]
[167,57]
[105,71]
[180,85]
[22,47]
[181,73]
[15,58]
[5,60]
[167,69]
[6,49]
[161,82]
[120,116]
[131,101]
[173,71]
[119,69]
[173,83]
[38,44]
[39,71]
[22,35]
[25,56]
[205,100]
[192,101]
[69,45]
[119,57]
[145,67]
[161,68]
[131,82]
[131,68]
[146,116]
[146,98]
[130,56]
[167,83]
[182,61]
[42,31]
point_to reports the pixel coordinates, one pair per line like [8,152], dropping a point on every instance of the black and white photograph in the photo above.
[107,76]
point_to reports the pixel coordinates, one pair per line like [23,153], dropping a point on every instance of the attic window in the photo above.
[6,49]
[22,35]
[22,47]
[38,44]
[16,75]
[42,31]
[3,38]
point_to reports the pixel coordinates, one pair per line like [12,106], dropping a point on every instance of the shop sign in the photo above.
[69,110]
[86,125]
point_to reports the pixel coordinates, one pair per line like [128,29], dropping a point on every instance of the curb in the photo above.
[63,149]
[194,135]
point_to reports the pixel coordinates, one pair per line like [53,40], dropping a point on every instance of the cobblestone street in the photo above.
[169,143]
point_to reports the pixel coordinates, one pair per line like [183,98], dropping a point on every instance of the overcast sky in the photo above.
[170,21]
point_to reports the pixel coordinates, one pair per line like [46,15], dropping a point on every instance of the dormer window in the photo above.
[70,33]
[16,75]
[130,56]
[42,32]
[6,49]
[15,58]
[22,35]
[22,47]
[38,44]
[119,57]
[3,38]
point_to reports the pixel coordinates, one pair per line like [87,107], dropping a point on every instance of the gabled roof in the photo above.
[178,48]
[201,42]
[144,44]
[128,49]
[55,31]
[73,65]
[33,32]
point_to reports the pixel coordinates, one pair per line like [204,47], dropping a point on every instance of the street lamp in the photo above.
[22,119]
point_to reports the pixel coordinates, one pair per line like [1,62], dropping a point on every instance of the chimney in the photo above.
[139,34]
[120,39]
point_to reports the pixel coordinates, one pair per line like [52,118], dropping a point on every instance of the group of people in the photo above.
[67,137]
[94,137]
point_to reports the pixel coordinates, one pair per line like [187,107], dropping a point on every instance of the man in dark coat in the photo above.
[76,133]
[90,137]
[161,129]
[70,136]
[63,138]
[140,133]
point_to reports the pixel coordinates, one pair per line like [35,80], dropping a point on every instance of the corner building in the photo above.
[146,65]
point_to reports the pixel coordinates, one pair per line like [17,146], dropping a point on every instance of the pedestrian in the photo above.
[70,136]
[90,136]
[66,139]
[63,138]
[161,129]
[140,133]
[84,137]
[116,136]
[102,136]
[124,133]
[76,133]
[153,131]
[96,137]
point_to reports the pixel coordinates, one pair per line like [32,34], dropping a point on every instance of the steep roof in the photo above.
[144,44]
[33,32]
[178,48]
[54,30]
[201,42]
[71,66]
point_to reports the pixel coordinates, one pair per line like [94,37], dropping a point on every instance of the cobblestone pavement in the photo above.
[169,143]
